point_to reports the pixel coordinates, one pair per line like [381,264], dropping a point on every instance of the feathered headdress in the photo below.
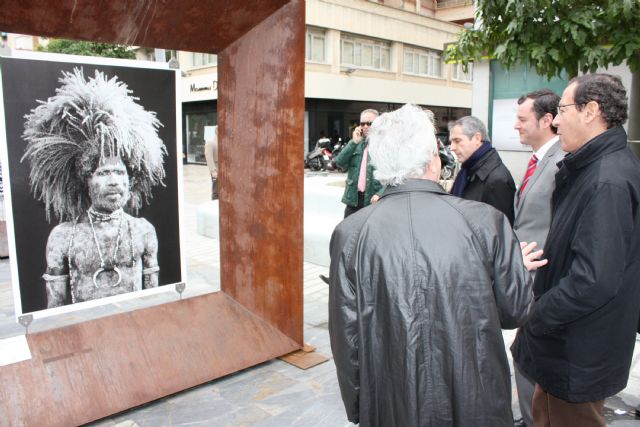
[86,122]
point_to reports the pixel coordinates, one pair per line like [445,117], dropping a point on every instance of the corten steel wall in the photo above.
[261,204]
[90,370]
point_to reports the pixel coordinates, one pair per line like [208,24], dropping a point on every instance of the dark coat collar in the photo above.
[412,185]
[611,140]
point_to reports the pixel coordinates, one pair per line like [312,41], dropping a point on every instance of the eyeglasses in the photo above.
[365,124]
[567,105]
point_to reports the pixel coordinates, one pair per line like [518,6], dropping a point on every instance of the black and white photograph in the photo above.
[92,166]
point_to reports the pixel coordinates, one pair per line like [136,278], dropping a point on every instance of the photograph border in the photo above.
[9,203]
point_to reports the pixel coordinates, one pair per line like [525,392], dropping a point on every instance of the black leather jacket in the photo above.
[422,284]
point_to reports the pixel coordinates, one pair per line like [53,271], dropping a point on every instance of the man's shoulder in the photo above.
[353,222]
[346,152]
[555,154]
[499,173]
[60,237]
[484,219]
[620,167]
[61,231]
[140,223]
[493,166]
[474,209]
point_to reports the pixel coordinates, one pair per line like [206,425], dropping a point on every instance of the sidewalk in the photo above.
[274,393]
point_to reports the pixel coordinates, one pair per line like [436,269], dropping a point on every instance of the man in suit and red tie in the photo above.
[532,204]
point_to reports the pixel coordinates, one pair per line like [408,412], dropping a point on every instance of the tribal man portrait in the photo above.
[95,155]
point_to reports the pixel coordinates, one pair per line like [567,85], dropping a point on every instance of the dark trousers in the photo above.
[353,209]
[526,387]
[549,411]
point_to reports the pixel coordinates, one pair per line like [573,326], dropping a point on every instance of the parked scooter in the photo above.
[320,156]
[337,148]
[448,161]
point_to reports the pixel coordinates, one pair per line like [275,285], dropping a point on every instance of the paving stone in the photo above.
[274,393]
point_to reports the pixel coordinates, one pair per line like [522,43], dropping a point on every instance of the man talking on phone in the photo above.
[361,189]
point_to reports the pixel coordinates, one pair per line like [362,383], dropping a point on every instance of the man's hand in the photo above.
[357,135]
[374,198]
[530,258]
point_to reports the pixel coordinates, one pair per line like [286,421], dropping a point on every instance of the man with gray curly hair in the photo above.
[422,284]
[95,155]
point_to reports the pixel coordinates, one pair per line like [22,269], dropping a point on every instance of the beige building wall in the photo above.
[382,22]
[331,86]
[402,28]
[23,41]
[459,12]
[399,26]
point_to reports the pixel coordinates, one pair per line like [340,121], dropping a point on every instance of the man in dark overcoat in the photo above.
[578,340]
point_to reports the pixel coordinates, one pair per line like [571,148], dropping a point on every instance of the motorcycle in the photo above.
[337,148]
[448,161]
[319,158]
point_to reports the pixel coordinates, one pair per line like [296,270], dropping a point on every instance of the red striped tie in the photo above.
[531,168]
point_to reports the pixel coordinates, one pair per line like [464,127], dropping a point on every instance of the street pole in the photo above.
[634,113]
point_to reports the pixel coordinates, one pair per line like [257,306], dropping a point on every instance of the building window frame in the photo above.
[316,45]
[365,53]
[202,60]
[422,62]
[459,75]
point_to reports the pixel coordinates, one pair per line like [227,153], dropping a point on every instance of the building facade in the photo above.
[359,54]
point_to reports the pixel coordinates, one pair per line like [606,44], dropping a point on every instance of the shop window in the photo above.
[195,123]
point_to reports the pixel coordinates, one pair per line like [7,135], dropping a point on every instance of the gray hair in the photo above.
[370,110]
[470,126]
[401,144]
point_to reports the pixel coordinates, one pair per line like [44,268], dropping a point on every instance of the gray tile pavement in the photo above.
[274,393]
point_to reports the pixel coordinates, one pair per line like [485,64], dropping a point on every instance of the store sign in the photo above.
[202,87]
[194,87]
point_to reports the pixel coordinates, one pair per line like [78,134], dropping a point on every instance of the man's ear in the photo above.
[592,111]
[547,119]
[432,168]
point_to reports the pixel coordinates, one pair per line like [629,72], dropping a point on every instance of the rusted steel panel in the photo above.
[193,25]
[261,123]
[90,370]
[97,368]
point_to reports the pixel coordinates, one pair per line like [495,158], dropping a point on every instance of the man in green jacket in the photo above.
[361,188]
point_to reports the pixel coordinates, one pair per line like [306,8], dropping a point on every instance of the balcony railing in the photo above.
[441,4]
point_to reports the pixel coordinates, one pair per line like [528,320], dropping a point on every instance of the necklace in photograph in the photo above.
[107,265]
